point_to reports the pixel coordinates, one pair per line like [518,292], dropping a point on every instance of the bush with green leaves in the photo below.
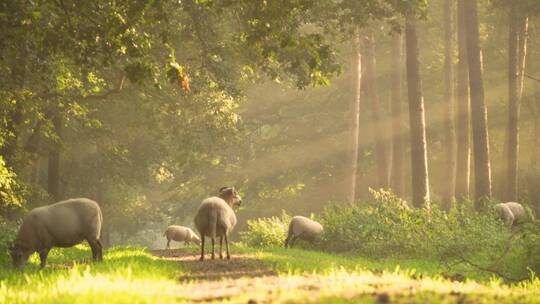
[8,231]
[386,226]
[267,232]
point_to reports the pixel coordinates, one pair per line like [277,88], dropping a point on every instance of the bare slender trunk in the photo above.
[535,158]
[53,176]
[356,76]
[463,162]
[397,119]
[511,146]
[419,165]
[482,169]
[449,136]
[523,35]
[378,126]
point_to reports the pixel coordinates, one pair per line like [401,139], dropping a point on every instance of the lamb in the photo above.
[511,213]
[216,218]
[63,224]
[181,234]
[303,228]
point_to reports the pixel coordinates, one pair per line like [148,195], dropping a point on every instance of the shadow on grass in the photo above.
[239,266]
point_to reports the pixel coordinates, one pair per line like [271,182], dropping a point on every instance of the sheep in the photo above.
[181,234]
[63,224]
[303,228]
[511,213]
[216,218]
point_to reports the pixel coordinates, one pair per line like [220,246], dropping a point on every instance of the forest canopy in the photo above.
[150,106]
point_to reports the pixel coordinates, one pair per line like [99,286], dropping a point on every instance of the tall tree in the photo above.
[449,136]
[463,159]
[482,170]
[517,52]
[397,175]
[356,80]
[523,36]
[419,165]
[373,96]
[511,147]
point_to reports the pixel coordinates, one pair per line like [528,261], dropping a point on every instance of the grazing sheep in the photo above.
[303,228]
[181,234]
[216,218]
[511,213]
[63,224]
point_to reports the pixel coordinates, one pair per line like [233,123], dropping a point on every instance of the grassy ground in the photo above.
[134,275]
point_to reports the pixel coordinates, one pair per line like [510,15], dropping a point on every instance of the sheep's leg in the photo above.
[168,244]
[100,250]
[287,240]
[213,253]
[96,250]
[202,247]
[43,256]
[227,247]
[293,239]
[220,247]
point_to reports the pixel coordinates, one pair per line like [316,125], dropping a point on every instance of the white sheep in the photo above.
[302,228]
[63,224]
[511,213]
[181,234]
[216,218]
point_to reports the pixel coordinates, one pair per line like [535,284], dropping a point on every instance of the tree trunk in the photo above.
[378,126]
[510,174]
[356,76]
[535,155]
[449,136]
[100,198]
[420,179]
[522,51]
[463,162]
[397,119]
[482,170]
[53,176]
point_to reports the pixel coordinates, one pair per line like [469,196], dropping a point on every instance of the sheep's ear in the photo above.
[222,189]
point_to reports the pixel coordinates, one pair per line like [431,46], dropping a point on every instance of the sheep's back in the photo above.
[215,208]
[62,224]
[301,225]
[178,233]
[518,211]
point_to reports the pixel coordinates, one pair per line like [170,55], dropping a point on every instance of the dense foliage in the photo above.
[386,227]
[267,232]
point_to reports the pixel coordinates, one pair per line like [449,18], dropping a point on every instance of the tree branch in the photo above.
[532,77]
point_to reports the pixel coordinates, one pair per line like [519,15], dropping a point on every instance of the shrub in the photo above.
[264,232]
[386,226]
[8,230]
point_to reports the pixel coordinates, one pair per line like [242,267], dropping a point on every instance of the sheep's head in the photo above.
[19,255]
[230,195]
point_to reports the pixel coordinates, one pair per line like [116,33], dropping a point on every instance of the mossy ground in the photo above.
[137,275]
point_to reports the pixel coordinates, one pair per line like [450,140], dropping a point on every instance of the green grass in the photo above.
[134,275]
[127,275]
[298,261]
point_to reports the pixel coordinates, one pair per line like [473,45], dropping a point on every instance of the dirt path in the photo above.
[239,266]
[245,279]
